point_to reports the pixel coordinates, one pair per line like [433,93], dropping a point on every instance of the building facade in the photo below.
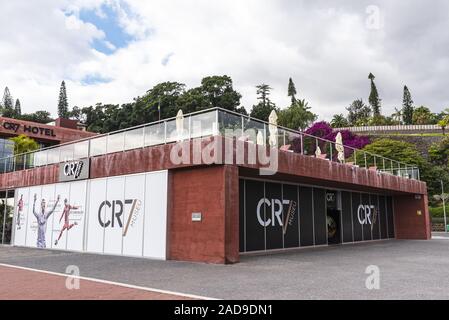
[209,187]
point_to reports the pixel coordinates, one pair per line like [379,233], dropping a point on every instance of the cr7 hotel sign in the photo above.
[27,129]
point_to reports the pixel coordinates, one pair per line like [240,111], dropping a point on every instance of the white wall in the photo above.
[132,209]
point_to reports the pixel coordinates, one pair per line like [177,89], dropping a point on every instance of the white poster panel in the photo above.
[115,205]
[20,215]
[124,215]
[34,208]
[75,213]
[96,215]
[59,234]
[155,232]
[133,215]
[52,202]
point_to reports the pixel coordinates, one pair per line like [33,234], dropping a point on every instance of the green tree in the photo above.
[397,116]
[76,113]
[443,124]
[215,91]
[442,115]
[297,116]
[94,117]
[358,113]
[38,116]
[396,150]
[219,92]
[291,90]
[380,120]
[63,105]
[374,100]
[17,108]
[407,107]
[23,143]
[193,100]
[7,104]
[263,109]
[263,92]
[164,96]
[406,153]
[339,121]
[262,112]
[423,115]
[439,152]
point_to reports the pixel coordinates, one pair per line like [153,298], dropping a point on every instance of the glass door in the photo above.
[333,217]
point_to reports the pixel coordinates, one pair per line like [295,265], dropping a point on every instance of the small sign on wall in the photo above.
[74,170]
[196,216]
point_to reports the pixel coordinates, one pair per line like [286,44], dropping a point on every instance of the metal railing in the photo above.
[409,128]
[215,121]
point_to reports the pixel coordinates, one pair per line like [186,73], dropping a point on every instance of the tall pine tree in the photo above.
[407,107]
[7,102]
[18,108]
[63,105]
[373,99]
[7,107]
[291,90]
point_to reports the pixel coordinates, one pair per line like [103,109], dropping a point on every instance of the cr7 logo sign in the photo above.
[73,169]
[276,206]
[116,212]
[365,213]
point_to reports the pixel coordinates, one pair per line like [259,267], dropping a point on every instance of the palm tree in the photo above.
[397,115]
[339,121]
[443,124]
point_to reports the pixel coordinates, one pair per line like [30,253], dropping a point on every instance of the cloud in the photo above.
[327,48]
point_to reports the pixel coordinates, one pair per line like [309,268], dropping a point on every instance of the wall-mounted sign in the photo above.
[275,215]
[366,214]
[331,199]
[196,216]
[12,126]
[74,170]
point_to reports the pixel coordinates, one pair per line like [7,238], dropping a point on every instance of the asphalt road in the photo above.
[409,269]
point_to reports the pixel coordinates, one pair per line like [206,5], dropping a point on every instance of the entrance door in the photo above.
[333,217]
[333,226]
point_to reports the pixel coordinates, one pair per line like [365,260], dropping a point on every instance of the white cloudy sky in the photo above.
[113,50]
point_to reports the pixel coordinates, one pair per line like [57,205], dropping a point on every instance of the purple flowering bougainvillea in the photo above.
[323,130]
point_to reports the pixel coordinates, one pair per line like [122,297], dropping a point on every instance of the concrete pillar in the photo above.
[213,192]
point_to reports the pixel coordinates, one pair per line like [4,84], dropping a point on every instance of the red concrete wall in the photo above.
[30,177]
[213,191]
[408,223]
[232,211]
